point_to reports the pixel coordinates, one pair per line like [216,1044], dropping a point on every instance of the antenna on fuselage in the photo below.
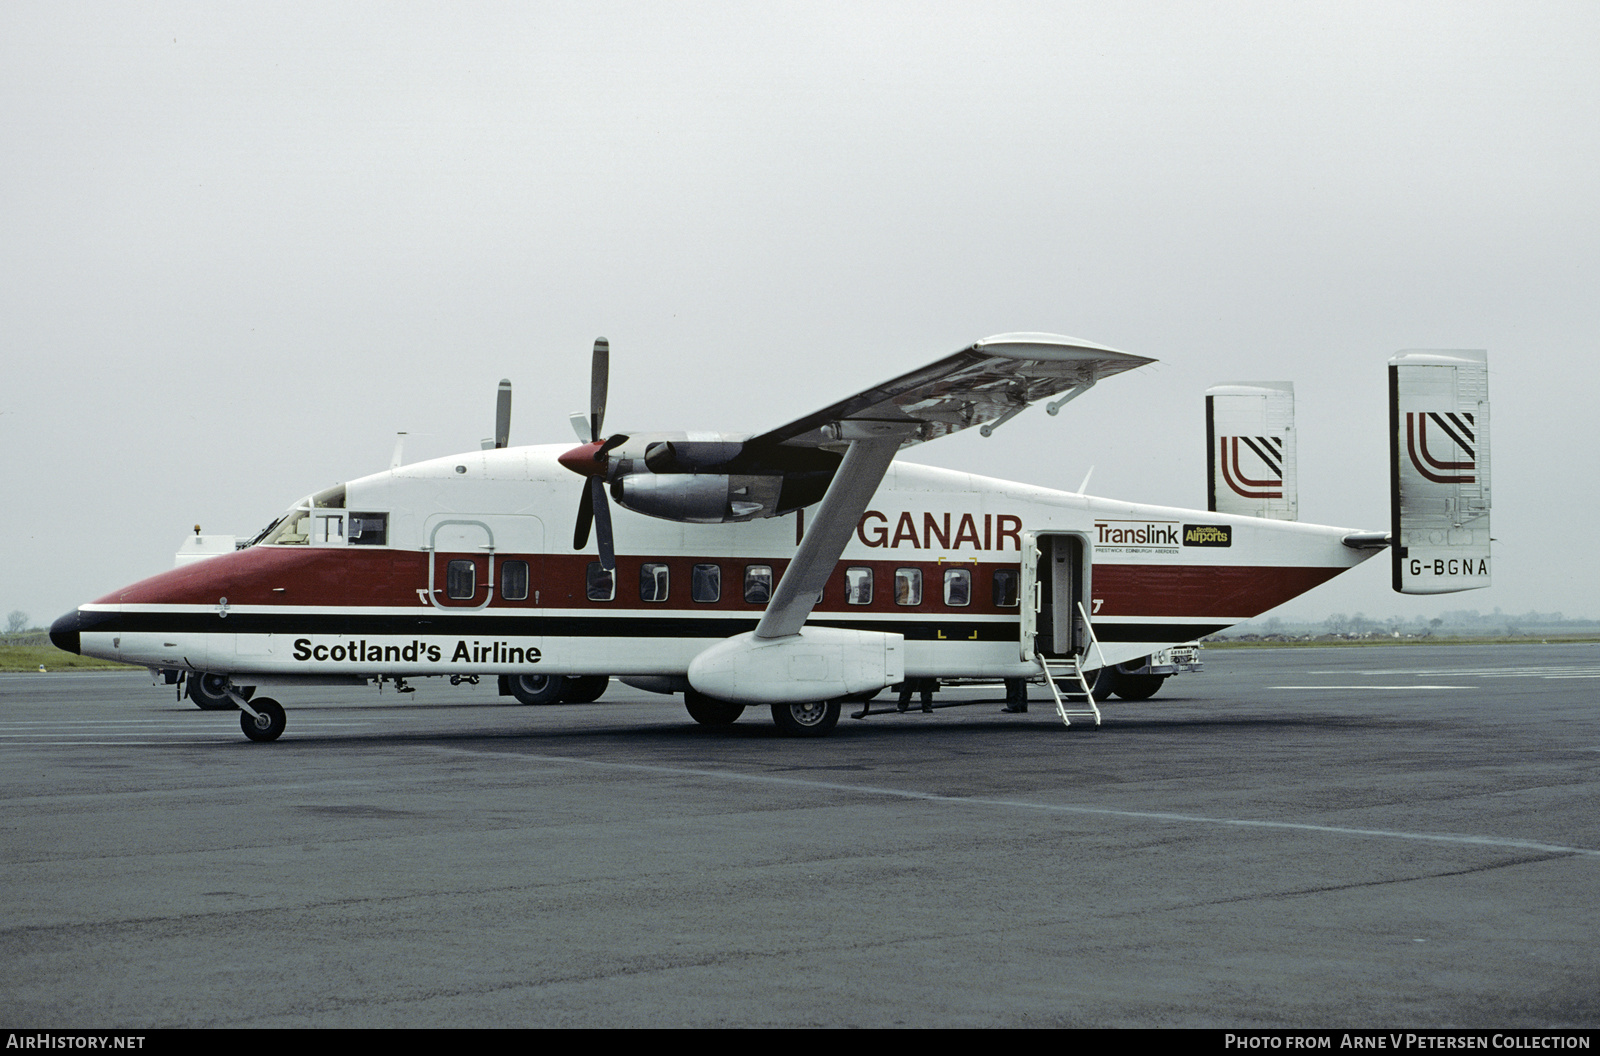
[397,458]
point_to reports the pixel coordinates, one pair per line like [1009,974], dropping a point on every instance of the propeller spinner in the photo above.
[590,460]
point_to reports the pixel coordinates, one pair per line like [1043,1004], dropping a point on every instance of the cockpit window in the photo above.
[329,498]
[292,529]
[369,529]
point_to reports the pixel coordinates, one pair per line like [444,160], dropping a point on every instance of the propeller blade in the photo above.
[613,442]
[580,425]
[502,414]
[602,519]
[580,533]
[599,380]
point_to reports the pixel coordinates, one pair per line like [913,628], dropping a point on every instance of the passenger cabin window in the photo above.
[653,581]
[461,580]
[1005,588]
[601,585]
[757,584]
[858,586]
[369,529]
[514,581]
[908,586]
[958,586]
[705,584]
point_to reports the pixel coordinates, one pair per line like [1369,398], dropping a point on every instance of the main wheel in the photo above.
[1138,687]
[808,719]
[709,711]
[1102,683]
[267,724]
[583,689]
[537,689]
[210,692]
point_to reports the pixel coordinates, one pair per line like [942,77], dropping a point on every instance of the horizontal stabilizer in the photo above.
[1250,468]
[1439,469]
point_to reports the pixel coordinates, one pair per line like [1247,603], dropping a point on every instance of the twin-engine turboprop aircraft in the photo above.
[800,567]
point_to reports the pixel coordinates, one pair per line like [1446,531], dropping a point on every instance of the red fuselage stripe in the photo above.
[301,578]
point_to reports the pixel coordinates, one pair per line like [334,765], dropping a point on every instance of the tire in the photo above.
[808,719]
[1138,687]
[583,689]
[537,689]
[709,711]
[269,727]
[1102,683]
[208,692]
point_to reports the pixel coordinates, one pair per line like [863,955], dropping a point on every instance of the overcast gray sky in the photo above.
[242,245]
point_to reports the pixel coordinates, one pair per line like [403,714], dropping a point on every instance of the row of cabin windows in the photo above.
[705,584]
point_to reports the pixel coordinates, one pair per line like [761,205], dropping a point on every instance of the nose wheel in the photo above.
[267,722]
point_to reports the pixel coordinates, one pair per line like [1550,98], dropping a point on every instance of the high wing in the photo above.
[983,385]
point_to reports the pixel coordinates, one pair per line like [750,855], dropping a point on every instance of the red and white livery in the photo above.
[796,568]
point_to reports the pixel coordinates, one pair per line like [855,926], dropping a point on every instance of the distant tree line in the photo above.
[1457,622]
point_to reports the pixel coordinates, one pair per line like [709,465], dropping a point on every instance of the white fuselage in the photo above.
[396,599]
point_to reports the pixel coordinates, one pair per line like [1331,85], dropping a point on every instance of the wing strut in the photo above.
[854,483]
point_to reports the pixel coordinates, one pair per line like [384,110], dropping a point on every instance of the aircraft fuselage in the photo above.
[460,565]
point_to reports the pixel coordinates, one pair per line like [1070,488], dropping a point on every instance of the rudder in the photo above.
[1439,470]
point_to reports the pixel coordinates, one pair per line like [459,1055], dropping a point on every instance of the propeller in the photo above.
[502,414]
[589,460]
[502,419]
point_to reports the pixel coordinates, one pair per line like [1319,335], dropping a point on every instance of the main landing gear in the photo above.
[806,719]
[709,711]
[809,719]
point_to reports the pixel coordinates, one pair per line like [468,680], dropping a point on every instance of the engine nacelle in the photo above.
[699,498]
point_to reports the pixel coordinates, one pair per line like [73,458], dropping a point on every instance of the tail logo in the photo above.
[1268,454]
[1459,429]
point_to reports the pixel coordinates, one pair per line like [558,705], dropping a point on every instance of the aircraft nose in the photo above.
[64,632]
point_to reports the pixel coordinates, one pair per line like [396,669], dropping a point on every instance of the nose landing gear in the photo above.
[262,719]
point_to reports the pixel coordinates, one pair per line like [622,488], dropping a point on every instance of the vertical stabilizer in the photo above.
[1439,470]
[1250,470]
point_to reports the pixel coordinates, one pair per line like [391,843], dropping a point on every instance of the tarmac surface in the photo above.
[1360,838]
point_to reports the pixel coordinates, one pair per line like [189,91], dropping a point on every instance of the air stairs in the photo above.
[1069,669]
